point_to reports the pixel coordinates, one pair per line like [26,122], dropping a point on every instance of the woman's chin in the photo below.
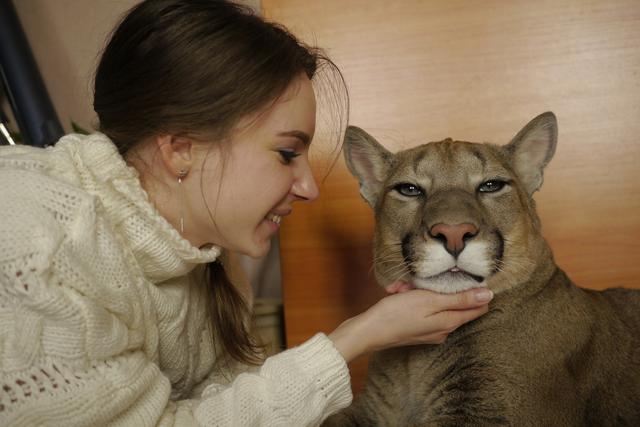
[258,249]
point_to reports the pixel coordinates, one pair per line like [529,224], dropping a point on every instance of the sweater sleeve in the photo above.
[300,386]
[77,345]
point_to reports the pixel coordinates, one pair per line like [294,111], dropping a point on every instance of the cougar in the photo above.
[453,215]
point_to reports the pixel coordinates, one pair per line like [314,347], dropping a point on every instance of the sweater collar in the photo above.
[157,246]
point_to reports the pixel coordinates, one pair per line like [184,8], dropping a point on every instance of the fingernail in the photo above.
[484,295]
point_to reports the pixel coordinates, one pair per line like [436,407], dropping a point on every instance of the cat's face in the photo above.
[453,215]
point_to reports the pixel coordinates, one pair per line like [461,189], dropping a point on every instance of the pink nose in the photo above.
[453,236]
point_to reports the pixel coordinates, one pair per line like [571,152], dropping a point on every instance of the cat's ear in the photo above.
[532,149]
[368,161]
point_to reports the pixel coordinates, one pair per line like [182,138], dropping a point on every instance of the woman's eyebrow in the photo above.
[302,136]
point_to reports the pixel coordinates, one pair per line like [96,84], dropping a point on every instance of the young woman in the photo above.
[115,307]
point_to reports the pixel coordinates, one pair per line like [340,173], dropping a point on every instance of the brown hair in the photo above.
[192,68]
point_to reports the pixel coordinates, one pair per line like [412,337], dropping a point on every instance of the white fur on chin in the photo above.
[448,283]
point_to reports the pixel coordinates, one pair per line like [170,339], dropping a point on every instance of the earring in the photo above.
[181,174]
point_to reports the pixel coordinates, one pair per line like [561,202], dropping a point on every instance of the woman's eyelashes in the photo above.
[288,156]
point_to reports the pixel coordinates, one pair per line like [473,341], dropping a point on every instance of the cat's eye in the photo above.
[409,190]
[491,186]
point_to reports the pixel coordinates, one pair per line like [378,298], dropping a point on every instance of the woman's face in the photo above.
[251,181]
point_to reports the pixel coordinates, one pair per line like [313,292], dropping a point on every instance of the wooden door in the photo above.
[421,71]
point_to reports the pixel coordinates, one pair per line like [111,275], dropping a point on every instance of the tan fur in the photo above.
[548,353]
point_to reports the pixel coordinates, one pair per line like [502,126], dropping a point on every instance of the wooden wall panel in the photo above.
[421,71]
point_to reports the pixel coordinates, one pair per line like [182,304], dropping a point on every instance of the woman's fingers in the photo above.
[435,338]
[460,301]
[445,322]
[450,320]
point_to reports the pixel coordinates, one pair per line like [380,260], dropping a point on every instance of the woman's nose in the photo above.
[305,187]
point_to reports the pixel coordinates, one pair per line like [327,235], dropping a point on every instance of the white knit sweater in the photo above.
[101,319]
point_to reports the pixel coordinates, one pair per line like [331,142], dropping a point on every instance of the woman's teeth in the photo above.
[274,218]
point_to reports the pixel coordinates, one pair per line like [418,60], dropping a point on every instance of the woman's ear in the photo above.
[177,153]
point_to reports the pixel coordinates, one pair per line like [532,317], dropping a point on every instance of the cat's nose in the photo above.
[453,237]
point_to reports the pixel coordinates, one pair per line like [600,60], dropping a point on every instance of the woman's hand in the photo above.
[408,317]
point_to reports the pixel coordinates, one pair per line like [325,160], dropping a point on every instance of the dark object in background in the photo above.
[5,136]
[23,84]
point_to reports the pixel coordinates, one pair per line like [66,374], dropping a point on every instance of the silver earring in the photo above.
[181,174]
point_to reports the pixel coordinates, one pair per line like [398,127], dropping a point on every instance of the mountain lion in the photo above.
[453,215]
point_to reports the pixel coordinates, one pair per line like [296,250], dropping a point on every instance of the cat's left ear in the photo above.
[532,149]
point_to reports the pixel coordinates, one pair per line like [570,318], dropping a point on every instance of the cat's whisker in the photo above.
[394,270]
[388,258]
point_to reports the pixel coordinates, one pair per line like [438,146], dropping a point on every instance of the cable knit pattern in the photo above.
[103,316]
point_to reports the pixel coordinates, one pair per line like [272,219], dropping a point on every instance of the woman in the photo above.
[115,306]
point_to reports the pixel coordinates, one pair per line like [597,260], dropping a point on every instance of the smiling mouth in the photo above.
[456,272]
[274,218]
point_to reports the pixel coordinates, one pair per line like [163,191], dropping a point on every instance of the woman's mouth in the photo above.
[273,221]
[274,218]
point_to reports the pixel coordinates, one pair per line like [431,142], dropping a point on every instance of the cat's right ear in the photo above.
[368,161]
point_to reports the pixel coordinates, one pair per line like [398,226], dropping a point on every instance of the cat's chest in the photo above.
[458,382]
[477,382]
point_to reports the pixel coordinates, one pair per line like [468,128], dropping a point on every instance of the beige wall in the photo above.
[66,38]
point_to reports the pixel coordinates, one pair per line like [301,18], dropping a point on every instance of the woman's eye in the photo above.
[409,190]
[288,156]
[491,186]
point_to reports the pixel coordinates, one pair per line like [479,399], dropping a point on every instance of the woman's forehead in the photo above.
[293,112]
